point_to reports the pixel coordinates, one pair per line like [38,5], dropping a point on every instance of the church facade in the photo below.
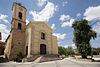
[35,38]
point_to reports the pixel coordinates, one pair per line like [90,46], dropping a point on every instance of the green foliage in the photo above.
[95,51]
[82,36]
[69,51]
[65,51]
[84,49]
[18,55]
[61,50]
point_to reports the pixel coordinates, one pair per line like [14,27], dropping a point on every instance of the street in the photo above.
[58,63]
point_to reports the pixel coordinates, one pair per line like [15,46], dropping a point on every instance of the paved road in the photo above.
[58,63]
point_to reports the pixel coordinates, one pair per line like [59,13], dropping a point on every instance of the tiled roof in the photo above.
[2,43]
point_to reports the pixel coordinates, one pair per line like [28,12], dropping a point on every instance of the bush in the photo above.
[18,55]
[65,51]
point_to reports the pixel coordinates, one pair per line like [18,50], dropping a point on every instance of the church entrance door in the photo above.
[42,49]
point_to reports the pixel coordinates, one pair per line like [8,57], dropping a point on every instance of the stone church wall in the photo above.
[55,46]
[8,46]
[34,40]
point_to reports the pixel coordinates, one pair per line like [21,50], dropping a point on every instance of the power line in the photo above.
[95,22]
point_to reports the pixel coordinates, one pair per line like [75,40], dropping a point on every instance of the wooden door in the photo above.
[42,49]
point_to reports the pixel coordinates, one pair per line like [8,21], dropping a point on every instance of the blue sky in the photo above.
[58,14]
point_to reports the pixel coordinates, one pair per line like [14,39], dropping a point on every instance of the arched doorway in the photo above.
[19,26]
[42,49]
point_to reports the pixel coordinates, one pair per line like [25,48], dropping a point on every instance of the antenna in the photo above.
[20,3]
[94,23]
[9,0]
[16,1]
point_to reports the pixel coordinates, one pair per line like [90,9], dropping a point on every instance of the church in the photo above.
[35,38]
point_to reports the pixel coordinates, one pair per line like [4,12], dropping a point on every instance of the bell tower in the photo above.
[18,15]
[18,25]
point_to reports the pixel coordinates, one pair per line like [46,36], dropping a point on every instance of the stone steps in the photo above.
[46,58]
[30,59]
[41,58]
[38,59]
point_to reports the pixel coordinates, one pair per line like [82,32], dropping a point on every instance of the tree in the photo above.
[95,51]
[65,51]
[61,50]
[82,36]
[69,51]
[18,57]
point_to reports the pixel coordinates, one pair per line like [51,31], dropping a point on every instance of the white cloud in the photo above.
[97,27]
[92,13]
[72,45]
[4,18]
[78,14]
[41,2]
[4,36]
[53,26]
[3,28]
[27,21]
[59,35]
[64,3]
[64,24]
[64,17]
[4,31]
[45,14]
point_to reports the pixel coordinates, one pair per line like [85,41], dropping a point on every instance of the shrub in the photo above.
[18,55]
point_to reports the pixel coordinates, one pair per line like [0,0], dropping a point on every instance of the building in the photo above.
[2,46]
[35,38]
[96,51]
[42,41]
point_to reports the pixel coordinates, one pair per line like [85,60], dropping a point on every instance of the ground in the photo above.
[59,63]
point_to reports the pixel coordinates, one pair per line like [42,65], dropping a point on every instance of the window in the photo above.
[19,26]
[20,9]
[42,35]
[20,15]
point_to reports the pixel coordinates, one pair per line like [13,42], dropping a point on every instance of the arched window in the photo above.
[42,35]
[20,15]
[19,26]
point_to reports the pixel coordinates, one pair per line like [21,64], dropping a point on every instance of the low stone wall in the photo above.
[79,58]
